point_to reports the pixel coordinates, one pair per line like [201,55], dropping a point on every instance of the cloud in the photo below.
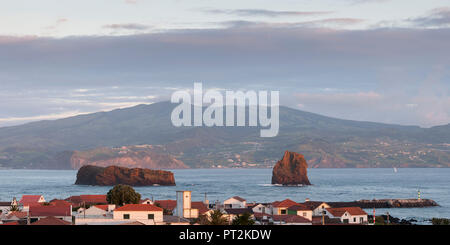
[438,17]
[131,1]
[334,22]
[373,74]
[264,12]
[129,26]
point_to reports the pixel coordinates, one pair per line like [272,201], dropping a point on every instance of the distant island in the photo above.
[113,175]
[325,142]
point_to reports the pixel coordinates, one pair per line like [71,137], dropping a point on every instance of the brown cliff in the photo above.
[126,156]
[291,170]
[113,175]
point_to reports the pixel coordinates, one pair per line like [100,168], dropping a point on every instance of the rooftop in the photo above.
[139,208]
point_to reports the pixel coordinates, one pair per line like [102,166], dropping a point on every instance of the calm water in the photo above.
[254,185]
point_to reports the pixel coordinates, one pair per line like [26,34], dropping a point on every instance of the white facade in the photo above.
[347,218]
[94,211]
[141,216]
[261,209]
[307,214]
[234,203]
[319,209]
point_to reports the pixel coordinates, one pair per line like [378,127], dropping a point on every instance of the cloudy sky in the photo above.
[372,60]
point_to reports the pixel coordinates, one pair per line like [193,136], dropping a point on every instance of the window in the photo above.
[283,211]
[304,214]
[354,219]
[126,216]
[151,216]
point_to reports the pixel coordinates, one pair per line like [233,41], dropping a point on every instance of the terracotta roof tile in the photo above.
[40,211]
[51,221]
[139,207]
[338,212]
[167,204]
[202,208]
[284,204]
[18,214]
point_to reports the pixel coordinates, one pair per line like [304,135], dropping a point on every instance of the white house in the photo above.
[261,208]
[348,215]
[96,211]
[144,213]
[235,202]
[317,207]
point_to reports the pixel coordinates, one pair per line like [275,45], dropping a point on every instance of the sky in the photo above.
[370,60]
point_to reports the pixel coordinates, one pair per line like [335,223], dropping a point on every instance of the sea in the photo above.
[348,184]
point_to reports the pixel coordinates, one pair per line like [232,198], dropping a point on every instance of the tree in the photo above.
[217,218]
[165,211]
[123,194]
[244,219]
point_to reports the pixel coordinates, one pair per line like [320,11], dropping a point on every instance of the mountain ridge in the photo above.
[325,141]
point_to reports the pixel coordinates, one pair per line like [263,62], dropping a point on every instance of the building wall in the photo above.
[138,215]
[318,211]
[233,203]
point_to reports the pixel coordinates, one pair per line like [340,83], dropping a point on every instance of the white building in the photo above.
[96,211]
[261,208]
[317,207]
[348,215]
[235,202]
[144,213]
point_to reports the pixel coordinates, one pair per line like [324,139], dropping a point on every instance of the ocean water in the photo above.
[254,185]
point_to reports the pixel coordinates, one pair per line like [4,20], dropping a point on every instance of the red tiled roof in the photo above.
[29,199]
[94,198]
[202,208]
[58,202]
[239,198]
[284,204]
[88,199]
[51,221]
[18,214]
[40,211]
[338,212]
[167,204]
[139,207]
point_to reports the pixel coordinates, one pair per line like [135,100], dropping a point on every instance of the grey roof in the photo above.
[174,219]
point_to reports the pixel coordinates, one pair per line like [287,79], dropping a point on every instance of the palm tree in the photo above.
[244,219]
[217,218]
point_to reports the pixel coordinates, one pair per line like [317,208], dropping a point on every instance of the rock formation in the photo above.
[291,170]
[113,175]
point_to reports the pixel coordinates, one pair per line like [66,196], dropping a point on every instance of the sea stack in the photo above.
[113,175]
[291,170]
